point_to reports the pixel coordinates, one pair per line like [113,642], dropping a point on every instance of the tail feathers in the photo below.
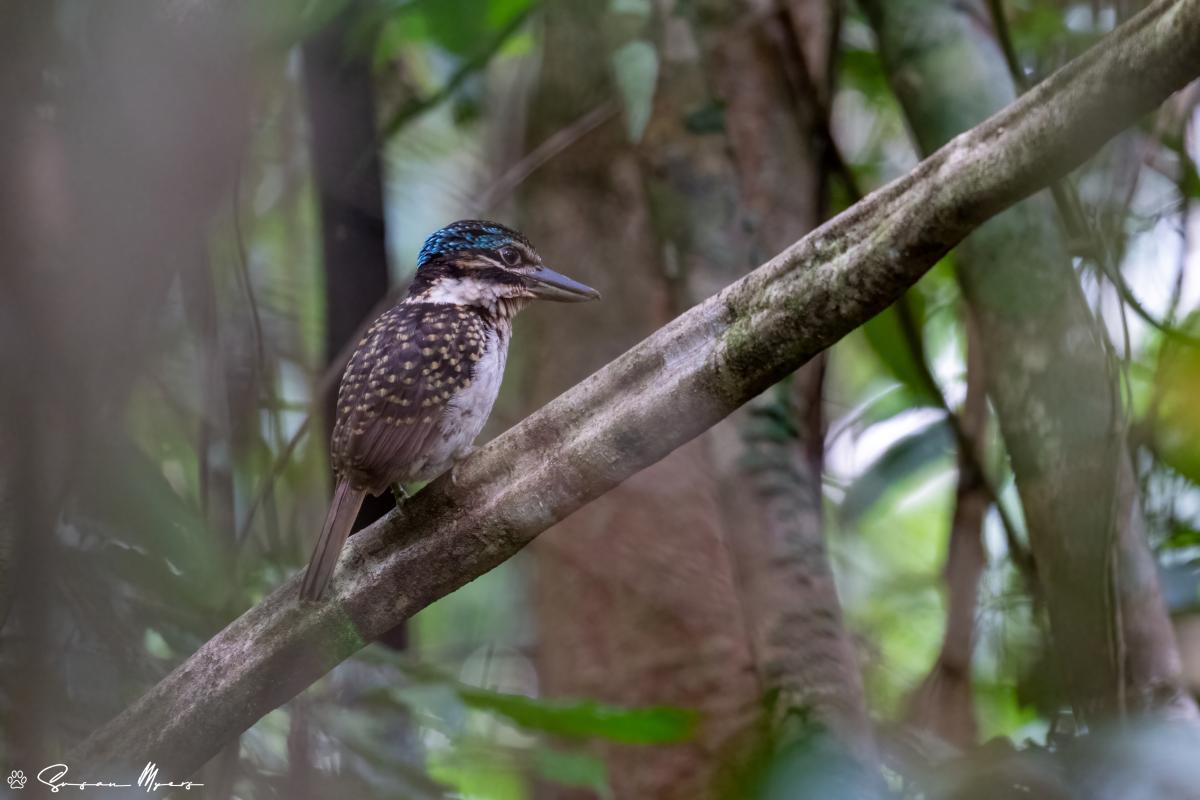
[342,512]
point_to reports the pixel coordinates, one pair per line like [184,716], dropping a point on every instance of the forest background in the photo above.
[955,554]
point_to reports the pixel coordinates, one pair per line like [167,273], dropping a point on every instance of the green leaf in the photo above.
[906,456]
[586,719]
[861,69]
[635,68]
[886,405]
[1177,418]
[397,34]
[478,772]
[463,26]
[580,719]
[886,337]
[579,770]
[1182,537]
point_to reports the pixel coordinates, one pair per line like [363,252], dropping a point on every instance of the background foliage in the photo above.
[210,489]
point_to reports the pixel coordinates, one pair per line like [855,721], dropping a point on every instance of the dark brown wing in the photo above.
[395,389]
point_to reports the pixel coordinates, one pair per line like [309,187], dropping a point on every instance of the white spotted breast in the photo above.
[416,393]
[469,408]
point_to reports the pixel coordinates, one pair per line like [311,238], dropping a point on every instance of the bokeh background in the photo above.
[202,204]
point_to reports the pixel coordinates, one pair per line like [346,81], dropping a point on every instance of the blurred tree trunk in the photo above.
[729,170]
[770,69]
[635,593]
[349,177]
[31,473]
[110,175]
[1051,381]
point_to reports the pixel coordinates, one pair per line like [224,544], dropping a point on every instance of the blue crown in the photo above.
[467,234]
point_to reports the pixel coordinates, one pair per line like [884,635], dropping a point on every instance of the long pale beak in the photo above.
[547,284]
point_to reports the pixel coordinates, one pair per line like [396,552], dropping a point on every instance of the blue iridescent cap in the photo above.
[467,234]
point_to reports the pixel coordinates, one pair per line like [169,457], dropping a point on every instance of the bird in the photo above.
[422,380]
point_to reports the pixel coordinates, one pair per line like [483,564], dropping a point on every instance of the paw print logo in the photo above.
[16,780]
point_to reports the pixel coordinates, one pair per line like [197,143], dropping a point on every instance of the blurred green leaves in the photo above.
[900,349]
[489,738]
[904,458]
[1177,405]
[635,69]
[586,719]
[471,32]
[579,770]
[459,27]
[581,719]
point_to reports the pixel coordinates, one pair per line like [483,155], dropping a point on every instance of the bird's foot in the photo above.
[463,455]
[400,493]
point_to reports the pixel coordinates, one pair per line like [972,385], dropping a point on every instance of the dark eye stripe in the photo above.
[497,275]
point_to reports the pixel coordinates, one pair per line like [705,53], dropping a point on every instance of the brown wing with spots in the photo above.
[395,389]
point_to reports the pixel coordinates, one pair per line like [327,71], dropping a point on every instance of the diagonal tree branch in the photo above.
[658,395]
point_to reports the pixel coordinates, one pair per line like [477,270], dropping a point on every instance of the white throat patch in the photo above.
[472,292]
[462,292]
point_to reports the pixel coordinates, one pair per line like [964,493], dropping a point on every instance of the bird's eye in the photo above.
[510,256]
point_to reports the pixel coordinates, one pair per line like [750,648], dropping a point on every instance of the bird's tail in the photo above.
[342,512]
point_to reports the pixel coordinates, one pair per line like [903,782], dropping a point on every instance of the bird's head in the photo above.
[473,262]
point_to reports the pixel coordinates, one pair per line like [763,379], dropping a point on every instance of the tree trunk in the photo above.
[769,68]
[1051,382]
[718,199]
[349,177]
[109,175]
[635,594]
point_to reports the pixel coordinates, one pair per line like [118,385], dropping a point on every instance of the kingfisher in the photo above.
[422,381]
